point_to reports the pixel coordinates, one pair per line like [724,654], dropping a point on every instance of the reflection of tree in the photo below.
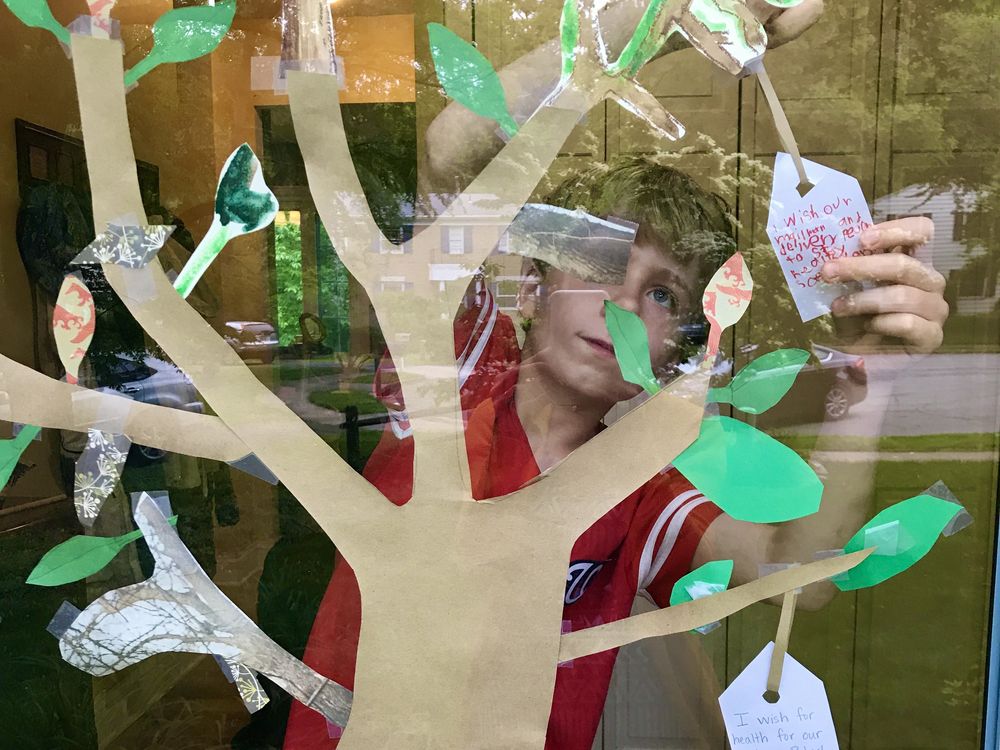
[288,272]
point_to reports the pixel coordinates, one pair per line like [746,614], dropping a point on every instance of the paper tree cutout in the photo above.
[409,680]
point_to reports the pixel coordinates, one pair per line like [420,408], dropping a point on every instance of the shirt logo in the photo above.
[581,573]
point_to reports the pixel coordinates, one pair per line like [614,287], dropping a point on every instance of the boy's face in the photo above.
[569,338]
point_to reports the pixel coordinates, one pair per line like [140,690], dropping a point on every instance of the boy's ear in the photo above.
[529,293]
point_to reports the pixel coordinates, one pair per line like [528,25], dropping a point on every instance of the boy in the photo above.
[527,411]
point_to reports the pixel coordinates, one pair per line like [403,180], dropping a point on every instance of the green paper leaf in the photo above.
[80,556]
[628,336]
[36,13]
[11,450]
[243,204]
[710,578]
[642,45]
[902,534]
[468,78]
[763,382]
[569,35]
[185,34]
[749,474]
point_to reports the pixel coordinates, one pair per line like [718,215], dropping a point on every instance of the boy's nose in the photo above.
[624,298]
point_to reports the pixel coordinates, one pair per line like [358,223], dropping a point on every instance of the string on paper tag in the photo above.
[773,692]
[784,129]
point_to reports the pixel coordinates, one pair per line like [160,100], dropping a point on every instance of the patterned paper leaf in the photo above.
[97,473]
[749,474]
[647,38]
[11,450]
[468,78]
[251,691]
[129,246]
[184,34]
[243,204]
[80,556]
[726,298]
[73,324]
[36,13]
[762,383]
[902,534]
[631,343]
[730,35]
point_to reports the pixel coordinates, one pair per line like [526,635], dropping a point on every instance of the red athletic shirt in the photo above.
[643,545]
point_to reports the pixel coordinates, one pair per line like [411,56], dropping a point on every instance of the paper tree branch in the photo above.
[581,489]
[326,485]
[37,399]
[179,609]
[701,612]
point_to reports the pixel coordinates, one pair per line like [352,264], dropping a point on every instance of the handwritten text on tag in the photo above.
[799,720]
[806,232]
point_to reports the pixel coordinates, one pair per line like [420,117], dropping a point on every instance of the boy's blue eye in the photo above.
[664,298]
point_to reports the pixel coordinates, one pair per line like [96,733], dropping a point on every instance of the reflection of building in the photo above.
[956,251]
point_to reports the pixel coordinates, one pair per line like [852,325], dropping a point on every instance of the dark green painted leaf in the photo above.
[36,13]
[628,336]
[901,534]
[467,76]
[80,556]
[11,450]
[748,474]
[763,382]
[242,198]
[184,34]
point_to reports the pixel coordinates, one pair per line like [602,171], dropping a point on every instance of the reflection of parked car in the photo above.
[151,381]
[251,340]
[827,387]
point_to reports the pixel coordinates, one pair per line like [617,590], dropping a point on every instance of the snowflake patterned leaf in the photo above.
[763,382]
[251,691]
[129,246]
[79,557]
[97,472]
[631,345]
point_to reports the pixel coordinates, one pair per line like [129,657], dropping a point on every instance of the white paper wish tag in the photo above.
[799,720]
[806,232]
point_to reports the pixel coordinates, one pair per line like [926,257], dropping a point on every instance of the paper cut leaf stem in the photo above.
[80,556]
[631,344]
[902,533]
[185,34]
[243,204]
[36,13]
[749,474]
[11,450]
[468,77]
[763,382]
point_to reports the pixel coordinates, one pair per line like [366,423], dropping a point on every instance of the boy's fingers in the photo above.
[909,232]
[893,268]
[789,24]
[920,335]
[893,299]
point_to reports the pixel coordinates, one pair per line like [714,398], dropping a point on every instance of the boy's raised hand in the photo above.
[909,301]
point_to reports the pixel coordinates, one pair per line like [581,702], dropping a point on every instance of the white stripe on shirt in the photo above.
[646,560]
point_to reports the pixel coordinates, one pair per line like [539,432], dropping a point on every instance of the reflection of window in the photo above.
[503,246]
[505,290]
[395,284]
[456,240]
[968,225]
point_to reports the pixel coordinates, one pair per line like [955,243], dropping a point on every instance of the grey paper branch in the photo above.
[129,246]
[97,472]
[179,609]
